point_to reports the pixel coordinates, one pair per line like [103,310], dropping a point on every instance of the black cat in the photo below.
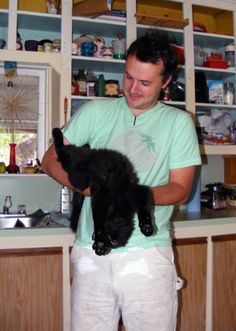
[116,194]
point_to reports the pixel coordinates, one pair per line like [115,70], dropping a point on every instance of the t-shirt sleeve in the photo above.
[184,147]
[80,126]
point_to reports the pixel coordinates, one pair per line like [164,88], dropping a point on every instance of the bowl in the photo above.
[31,45]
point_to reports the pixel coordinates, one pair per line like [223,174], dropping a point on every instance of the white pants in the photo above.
[140,285]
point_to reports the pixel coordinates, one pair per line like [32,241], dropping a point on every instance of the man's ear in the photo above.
[167,82]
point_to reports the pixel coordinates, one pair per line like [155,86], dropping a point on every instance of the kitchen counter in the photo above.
[181,221]
[207,223]
[183,225]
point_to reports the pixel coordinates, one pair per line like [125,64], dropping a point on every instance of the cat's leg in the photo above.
[77,203]
[144,209]
[99,203]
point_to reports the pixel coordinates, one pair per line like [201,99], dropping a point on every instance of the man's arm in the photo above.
[178,190]
[53,168]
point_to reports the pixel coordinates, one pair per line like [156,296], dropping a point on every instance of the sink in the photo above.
[10,221]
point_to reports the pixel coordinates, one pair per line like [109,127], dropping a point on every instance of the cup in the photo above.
[100,42]
[21,209]
[107,52]
[119,48]
[88,48]
[74,49]
[47,47]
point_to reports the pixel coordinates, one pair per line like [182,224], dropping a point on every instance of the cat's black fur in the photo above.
[116,194]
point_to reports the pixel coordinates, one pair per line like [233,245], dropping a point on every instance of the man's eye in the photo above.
[128,77]
[145,83]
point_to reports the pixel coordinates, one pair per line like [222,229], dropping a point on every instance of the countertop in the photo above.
[183,224]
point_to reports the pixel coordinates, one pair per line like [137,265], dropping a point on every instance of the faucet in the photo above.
[7,204]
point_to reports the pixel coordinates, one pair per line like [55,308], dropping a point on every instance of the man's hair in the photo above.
[153,47]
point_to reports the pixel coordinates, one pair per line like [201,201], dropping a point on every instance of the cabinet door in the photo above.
[191,263]
[31,289]
[224,282]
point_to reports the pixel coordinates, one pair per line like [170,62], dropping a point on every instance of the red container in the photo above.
[219,64]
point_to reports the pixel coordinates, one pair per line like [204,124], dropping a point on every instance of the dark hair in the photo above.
[153,47]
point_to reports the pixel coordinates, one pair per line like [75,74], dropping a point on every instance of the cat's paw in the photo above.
[100,247]
[146,228]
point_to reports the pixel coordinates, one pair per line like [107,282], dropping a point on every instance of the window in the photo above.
[22,114]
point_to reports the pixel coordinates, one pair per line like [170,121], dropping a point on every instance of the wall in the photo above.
[34,191]
[212,170]
[43,192]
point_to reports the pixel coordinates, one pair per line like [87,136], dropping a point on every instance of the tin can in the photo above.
[65,201]
[91,90]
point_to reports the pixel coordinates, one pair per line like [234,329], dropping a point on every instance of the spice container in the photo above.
[112,88]
[91,91]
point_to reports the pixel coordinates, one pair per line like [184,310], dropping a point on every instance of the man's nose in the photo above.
[134,86]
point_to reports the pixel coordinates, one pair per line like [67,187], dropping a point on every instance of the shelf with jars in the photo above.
[214,69]
[93,50]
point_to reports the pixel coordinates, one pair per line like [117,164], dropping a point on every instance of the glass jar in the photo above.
[112,88]
[228,93]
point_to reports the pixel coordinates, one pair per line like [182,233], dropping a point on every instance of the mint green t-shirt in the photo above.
[156,141]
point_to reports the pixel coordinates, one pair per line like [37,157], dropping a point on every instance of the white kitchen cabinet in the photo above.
[35,25]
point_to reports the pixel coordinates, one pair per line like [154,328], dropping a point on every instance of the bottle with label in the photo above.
[74,86]
[81,80]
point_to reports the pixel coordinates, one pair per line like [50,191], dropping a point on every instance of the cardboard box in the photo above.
[216,91]
[90,8]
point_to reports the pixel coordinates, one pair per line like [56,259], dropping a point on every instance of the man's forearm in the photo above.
[170,194]
[53,168]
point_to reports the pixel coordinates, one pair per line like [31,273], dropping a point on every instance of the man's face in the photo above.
[142,84]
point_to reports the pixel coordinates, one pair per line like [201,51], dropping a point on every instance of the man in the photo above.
[137,281]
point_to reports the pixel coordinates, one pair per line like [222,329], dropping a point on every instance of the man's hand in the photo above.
[87,192]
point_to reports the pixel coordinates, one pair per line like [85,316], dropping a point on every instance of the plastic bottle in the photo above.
[81,80]
[229,55]
[101,85]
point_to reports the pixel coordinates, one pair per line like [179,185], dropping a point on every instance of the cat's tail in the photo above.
[58,138]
